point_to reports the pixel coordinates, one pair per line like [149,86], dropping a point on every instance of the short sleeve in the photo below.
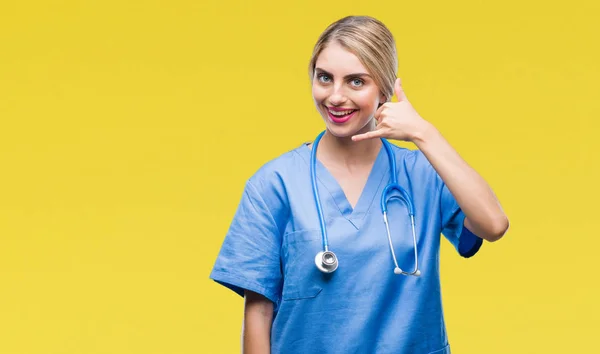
[249,258]
[466,243]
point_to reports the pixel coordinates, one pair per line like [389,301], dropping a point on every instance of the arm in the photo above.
[258,316]
[399,120]
[484,215]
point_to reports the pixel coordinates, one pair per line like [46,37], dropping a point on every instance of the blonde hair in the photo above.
[371,41]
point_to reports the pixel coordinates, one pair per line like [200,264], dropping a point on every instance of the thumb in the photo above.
[399,91]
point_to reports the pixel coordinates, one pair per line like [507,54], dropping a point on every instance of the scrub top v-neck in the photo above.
[366,200]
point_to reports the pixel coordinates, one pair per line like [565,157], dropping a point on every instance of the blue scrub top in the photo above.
[363,307]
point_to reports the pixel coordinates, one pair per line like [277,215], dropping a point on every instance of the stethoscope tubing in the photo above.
[326,260]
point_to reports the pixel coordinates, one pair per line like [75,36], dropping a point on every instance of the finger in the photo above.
[368,135]
[377,114]
[400,95]
[381,126]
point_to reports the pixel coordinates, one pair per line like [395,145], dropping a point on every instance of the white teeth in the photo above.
[341,113]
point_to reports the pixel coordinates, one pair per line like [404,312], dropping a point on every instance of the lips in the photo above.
[340,115]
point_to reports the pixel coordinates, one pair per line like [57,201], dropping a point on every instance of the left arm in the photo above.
[483,213]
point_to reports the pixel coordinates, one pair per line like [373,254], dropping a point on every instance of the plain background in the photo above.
[128,129]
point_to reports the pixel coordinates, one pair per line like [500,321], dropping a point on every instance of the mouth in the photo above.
[340,116]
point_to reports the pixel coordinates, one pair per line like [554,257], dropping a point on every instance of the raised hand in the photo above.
[396,120]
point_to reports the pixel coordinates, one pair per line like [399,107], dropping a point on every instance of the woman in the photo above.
[374,294]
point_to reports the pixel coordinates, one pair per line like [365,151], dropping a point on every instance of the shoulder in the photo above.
[416,166]
[413,159]
[279,169]
[274,181]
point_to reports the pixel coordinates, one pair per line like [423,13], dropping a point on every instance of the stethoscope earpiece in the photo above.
[399,271]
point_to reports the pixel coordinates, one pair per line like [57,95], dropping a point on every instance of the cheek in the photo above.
[367,100]
[318,93]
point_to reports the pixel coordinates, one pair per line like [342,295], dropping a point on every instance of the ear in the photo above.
[382,100]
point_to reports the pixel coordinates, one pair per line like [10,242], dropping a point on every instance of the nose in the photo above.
[337,97]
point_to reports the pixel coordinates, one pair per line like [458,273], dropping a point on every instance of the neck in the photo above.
[347,152]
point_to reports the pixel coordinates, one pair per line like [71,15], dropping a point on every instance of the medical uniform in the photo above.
[362,307]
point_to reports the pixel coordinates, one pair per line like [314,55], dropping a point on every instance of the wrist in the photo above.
[424,134]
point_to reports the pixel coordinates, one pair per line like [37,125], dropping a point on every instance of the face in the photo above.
[344,92]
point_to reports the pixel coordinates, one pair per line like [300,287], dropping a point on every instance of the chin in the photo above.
[342,131]
[345,130]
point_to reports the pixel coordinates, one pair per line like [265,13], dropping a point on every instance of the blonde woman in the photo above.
[335,244]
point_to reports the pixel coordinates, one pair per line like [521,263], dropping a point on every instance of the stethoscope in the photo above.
[326,260]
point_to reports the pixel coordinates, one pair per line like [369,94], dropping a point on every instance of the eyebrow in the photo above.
[345,77]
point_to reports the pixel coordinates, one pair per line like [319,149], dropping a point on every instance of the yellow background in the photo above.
[128,128]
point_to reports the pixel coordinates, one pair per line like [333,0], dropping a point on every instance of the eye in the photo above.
[323,78]
[356,82]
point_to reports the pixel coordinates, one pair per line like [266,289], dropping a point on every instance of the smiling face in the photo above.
[344,92]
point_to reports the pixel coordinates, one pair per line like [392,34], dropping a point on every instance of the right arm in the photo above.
[258,316]
[249,261]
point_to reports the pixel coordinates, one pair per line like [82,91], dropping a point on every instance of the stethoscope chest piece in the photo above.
[326,261]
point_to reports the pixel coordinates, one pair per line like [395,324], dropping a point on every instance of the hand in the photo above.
[396,120]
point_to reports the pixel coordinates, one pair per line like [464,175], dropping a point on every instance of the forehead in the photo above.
[336,59]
